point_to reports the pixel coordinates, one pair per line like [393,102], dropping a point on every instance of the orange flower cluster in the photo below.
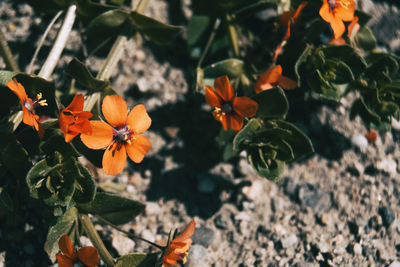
[177,250]
[68,256]
[120,136]
[272,78]
[28,105]
[335,12]
[228,109]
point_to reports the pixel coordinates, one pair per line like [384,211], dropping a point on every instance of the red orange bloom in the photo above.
[335,12]
[272,78]
[371,136]
[352,30]
[179,246]
[228,109]
[28,105]
[121,135]
[68,256]
[73,120]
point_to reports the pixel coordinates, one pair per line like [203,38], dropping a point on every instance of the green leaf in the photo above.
[365,39]
[89,9]
[381,63]
[57,142]
[6,76]
[272,103]
[232,67]
[268,168]
[77,70]
[85,188]
[13,155]
[348,55]
[137,260]
[106,24]
[298,141]
[157,31]
[246,135]
[5,200]
[196,27]
[338,72]
[113,208]
[64,225]
[367,115]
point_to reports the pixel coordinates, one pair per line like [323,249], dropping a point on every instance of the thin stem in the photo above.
[42,39]
[6,53]
[96,240]
[232,35]
[108,67]
[142,6]
[209,42]
[130,235]
[59,44]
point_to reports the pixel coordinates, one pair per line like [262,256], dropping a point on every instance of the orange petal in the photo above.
[28,118]
[339,41]
[89,256]
[345,12]
[287,83]
[69,136]
[115,110]
[287,35]
[64,261]
[18,89]
[353,28]
[236,122]
[337,27]
[285,18]
[85,127]
[77,103]
[138,148]
[224,88]
[212,98]
[268,79]
[298,10]
[245,106]
[187,233]
[325,12]
[84,115]
[138,119]
[102,135]
[114,159]
[225,120]
[65,245]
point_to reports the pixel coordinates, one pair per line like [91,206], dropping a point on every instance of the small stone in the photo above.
[395,264]
[122,244]
[256,190]
[339,250]
[222,221]
[387,215]
[196,256]
[152,208]
[312,196]
[326,219]
[387,165]
[323,247]
[357,249]
[172,131]
[289,241]
[2,259]
[361,142]
[203,236]
[242,216]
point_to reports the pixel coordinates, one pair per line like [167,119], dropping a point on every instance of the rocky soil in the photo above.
[337,207]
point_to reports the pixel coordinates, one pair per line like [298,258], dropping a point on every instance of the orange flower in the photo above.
[335,12]
[68,256]
[28,105]
[288,16]
[371,136]
[179,246]
[73,120]
[338,41]
[228,109]
[121,135]
[353,28]
[272,78]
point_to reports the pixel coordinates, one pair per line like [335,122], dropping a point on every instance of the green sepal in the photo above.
[272,103]
[77,70]
[64,225]
[365,39]
[268,168]
[157,31]
[137,260]
[113,208]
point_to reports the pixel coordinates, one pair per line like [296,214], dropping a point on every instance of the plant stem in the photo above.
[232,35]
[108,67]
[59,44]
[209,42]
[130,235]
[42,39]
[96,240]
[5,51]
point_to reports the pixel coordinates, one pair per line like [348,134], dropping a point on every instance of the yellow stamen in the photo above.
[129,142]
[344,3]
[43,102]
[39,96]
[184,259]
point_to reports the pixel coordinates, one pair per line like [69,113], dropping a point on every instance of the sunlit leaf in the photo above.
[232,67]
[77,70]
[196,27]
[270,169]
[246,135]
[106,25]
[365,39]
[272,103]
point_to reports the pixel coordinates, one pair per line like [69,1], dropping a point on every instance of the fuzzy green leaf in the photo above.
[137,260]
[113,208]
[77,70]
[270,169]
[272,103]
[232,67]
[365,39]
[196,27]
[245,135]
[106,24]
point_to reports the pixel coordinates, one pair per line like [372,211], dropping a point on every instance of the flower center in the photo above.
[123,134]
[30,105]
[227,108]
[332,4]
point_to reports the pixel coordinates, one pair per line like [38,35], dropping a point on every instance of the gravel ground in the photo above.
[337,207]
